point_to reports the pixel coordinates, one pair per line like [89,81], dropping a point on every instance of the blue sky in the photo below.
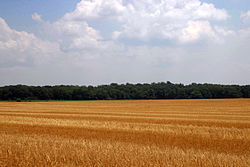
[99,42]
[17,13]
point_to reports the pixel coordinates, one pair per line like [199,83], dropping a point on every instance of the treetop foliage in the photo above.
[114,91]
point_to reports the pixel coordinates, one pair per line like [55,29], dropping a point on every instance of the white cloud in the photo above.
[223,31]
[245,17]
[19,48]
[75,35]
[195,30]
[76,50]
[148,19]
[203,30]
[177,20]
[37,17]
[72,35]
[89,9]
[208,11]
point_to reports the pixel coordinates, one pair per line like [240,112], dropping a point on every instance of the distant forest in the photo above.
[162,90]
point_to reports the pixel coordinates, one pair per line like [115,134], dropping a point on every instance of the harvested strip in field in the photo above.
[126,133]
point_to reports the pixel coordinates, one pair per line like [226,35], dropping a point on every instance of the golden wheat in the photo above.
[126,133]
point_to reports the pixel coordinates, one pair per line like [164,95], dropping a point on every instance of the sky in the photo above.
[95,42]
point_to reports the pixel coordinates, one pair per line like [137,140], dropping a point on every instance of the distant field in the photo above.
[126,133]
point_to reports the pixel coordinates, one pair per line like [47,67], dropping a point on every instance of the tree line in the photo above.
[114,91]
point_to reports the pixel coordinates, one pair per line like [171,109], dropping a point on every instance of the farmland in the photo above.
[126,133]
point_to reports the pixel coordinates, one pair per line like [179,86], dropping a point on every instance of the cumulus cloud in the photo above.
[203,30]
[175,20]
[72,35]
[19,48]
[75,35]
[96,9]
[176,9]
[148,19]
[96,44]
[245,17]
[195,30]
[37,17]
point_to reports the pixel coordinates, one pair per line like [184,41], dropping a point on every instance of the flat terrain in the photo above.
[126,133]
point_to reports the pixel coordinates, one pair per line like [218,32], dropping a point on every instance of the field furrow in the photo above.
[126,133]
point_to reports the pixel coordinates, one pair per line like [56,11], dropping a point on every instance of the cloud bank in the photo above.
[128,41]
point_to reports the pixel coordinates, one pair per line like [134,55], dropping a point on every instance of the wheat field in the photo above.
[167,133]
